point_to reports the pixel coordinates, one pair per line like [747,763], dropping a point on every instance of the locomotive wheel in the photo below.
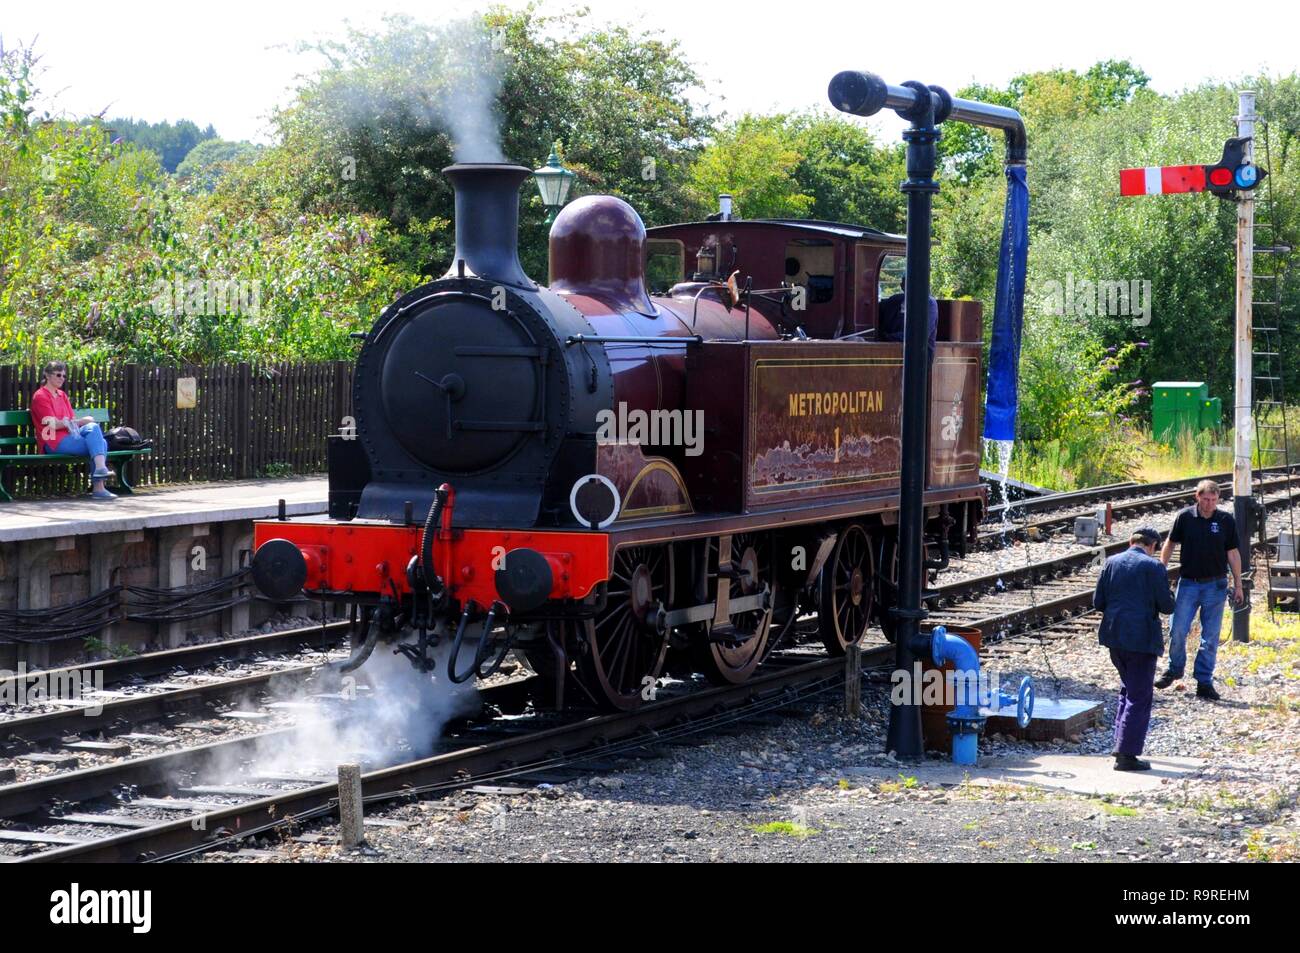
[621,652]
[731,662]
[847,585]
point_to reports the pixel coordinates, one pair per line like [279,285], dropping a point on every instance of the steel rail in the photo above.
[454,768]
[152,664]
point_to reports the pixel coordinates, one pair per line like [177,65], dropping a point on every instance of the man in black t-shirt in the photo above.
[1207,537]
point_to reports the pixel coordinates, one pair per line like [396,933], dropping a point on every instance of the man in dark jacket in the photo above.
[889,326]
[1132,592]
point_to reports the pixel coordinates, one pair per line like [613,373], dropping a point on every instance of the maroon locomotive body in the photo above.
[619,484]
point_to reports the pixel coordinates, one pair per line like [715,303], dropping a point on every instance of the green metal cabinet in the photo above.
[1178,406]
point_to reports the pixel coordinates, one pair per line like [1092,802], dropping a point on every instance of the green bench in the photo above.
[22,451]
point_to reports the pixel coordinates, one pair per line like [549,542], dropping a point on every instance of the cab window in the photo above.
[893,268]
[664,266]
[811,263]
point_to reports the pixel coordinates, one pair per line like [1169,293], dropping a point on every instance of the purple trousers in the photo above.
[1137,674]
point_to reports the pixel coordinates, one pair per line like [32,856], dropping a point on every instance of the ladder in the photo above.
[1272,429]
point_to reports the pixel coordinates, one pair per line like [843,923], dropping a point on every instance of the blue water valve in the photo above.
[1025,702]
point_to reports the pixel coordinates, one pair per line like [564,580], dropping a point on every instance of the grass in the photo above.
[784,828]
[1274,645]
[1192,454]
[1118,810]
[94,645]
[1286,850]
[997,791]
[1047,463]
[904,782]
[1256,848]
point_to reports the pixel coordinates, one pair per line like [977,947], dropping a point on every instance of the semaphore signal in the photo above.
[1235,177]
[1233,173]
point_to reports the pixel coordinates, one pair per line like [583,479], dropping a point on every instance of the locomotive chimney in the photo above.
[487,221]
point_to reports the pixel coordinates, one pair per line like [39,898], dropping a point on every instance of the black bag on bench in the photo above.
[126,438]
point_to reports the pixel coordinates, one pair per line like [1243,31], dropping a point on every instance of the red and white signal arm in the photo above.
[1162,180]
[1227,177]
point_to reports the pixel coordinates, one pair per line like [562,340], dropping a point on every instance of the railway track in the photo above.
[1013,601]
[153,664]
[188,680]
[1110,493]
[1060,512]
[112,813]
[167,805]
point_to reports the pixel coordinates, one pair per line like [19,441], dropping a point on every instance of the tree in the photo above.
[849,176]
[373,127]
[1042,98]
[754,162]
[802,165]
[170,142]
[211,158]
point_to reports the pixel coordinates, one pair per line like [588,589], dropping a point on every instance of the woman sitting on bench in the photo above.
[58,432]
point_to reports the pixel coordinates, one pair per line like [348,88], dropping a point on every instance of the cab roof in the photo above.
[811,227]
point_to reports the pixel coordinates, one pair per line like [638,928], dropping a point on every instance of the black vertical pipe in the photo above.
[865,94]
[904,735]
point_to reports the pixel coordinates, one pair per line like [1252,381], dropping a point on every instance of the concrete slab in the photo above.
[107,820]
[1077,773]
[1053,718]
[117,749]
[175,804]
[35,837]
[154,507]
[50,760]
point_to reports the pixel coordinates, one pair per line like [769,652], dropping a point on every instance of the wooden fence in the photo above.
[248,420]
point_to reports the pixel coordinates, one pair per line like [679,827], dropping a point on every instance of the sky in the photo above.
[231,63]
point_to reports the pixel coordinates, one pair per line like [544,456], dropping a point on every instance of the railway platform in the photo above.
[66,553]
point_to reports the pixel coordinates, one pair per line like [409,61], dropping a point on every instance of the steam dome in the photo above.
[598,249]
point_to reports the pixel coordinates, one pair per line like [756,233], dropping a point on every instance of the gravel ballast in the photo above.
[785,789]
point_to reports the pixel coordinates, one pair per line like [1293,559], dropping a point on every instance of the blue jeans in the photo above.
[87,442]
[1208,598]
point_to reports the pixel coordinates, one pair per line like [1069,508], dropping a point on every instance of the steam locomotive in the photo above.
[618,484]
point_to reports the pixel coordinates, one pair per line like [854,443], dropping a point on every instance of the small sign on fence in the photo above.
[187,393]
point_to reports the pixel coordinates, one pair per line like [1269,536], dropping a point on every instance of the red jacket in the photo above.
[45,405]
